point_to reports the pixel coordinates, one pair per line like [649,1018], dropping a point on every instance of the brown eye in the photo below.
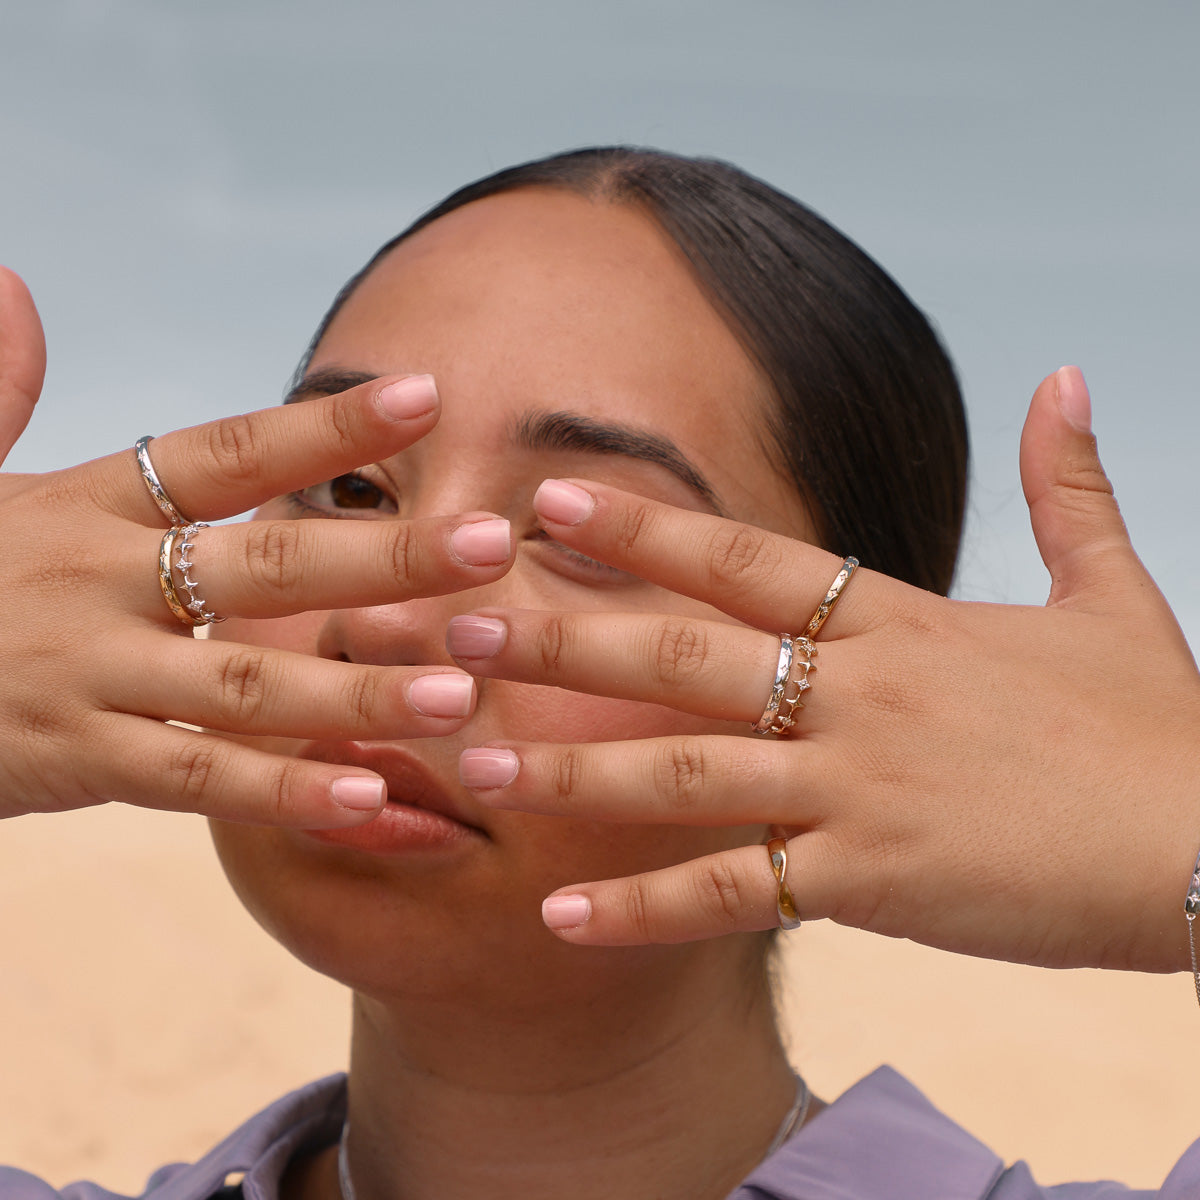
[353,491]
[342,497]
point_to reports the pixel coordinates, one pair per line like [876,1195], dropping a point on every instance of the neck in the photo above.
[645,1090]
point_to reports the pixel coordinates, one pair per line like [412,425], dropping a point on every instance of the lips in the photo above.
[420,814]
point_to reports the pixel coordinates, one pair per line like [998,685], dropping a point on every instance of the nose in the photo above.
[410,634]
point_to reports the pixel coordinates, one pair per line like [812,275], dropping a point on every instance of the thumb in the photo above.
[22,359]
[1075,518]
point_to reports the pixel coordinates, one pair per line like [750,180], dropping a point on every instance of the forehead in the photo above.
[540,298]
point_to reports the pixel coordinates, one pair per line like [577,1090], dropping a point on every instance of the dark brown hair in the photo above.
[868,420]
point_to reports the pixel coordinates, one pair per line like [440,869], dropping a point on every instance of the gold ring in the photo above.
[166,550]
[785,906]
[831,598]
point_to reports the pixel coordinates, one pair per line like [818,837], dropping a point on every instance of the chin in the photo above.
[463,931]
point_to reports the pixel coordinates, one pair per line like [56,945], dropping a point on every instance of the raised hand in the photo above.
[93,663]
[1011,782]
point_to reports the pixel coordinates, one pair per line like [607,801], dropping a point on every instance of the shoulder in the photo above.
[884,1140]
[258,1150]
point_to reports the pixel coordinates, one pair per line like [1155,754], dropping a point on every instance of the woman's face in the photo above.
[530,303]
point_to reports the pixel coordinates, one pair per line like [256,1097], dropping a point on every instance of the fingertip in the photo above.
[1074,401]
[448,694]
[563,913]
[487,768]
[359,796]
[563,503]
[408,398]
[483,541]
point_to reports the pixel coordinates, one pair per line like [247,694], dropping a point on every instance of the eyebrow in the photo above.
[564,431]
[586,435]
[326,383]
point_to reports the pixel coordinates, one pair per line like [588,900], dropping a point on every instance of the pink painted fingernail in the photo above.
[1073,400]
[484,767]
[565,912]
[482,543]
[475,637]
[562,502]
[408,398]
[443,695]
[358,793]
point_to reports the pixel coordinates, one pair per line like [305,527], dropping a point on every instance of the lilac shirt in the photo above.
[881,1140]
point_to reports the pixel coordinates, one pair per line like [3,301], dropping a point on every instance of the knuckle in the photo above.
[567,774]
[242,685]
[405,554]
[38,721]
[680,775]
[234,447]
[720,890]
[552,640]
[629,527]
[679,652]
[885,694]
[362,693]
[273,555]
[739,554]
[284,790]
[192,770]
[343,424]
[637,909]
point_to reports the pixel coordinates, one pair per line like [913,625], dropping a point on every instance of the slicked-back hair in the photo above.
[866,416]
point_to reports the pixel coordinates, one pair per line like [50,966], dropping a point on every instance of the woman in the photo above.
[729,385]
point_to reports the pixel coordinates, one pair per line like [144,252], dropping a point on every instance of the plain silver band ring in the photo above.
[154,486]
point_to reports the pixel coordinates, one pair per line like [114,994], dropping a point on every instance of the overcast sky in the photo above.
[186,185]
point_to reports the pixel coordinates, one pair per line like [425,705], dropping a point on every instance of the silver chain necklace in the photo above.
[793,1119]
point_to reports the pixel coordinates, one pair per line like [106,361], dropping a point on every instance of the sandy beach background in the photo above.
[144,1016]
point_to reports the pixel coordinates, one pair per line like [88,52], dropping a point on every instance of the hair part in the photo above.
[867,420]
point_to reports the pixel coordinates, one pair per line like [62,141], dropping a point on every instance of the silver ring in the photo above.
[790,684]
[154,486]
[197,609]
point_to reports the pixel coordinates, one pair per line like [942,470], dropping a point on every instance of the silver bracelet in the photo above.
[1191,906]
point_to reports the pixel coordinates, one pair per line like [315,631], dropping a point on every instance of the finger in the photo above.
[730,892]
[762,578]
[1075,518]
[230,466]
[22,359]
[253,690]
[704,780]
[273,568]
[703,667]
[181,770]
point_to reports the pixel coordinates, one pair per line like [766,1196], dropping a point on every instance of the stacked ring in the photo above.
[180,537]
[795,664]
